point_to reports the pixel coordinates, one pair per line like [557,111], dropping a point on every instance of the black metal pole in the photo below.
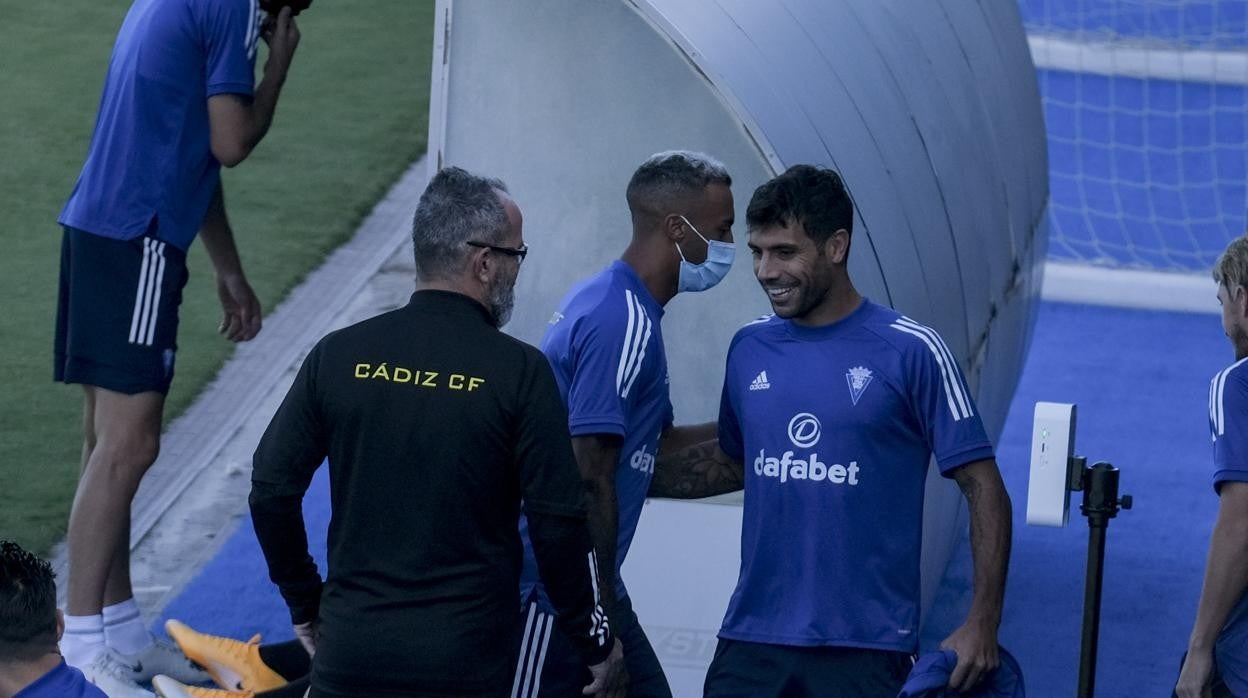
[1100,504]
[1092,605]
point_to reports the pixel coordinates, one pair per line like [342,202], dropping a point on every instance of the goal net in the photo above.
[1146,107]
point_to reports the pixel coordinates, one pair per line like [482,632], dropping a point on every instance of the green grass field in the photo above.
[353,116]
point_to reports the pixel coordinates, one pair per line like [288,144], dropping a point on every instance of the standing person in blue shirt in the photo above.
[179,101]
[606,347]
[831,411]
[1217,652]
[30,626]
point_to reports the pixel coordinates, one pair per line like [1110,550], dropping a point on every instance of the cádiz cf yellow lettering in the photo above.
[459,381]
[423,379]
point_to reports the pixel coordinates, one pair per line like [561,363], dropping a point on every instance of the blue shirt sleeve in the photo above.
[1230,430]
[599,347]
[230,30]
[946,413]
[730,439]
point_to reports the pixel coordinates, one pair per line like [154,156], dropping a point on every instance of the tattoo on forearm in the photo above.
[695,472]
[971,490]
[991,531]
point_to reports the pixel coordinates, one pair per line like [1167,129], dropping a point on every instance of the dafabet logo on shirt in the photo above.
[804,432]
[640,460]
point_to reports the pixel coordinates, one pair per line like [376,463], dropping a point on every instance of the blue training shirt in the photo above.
[606,348]
[835,426]
[62,682]
[1228,423]
[150,164]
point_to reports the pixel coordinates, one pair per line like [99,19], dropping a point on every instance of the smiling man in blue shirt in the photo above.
[179,101]
[831,412]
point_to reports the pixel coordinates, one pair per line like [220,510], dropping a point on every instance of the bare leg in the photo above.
[88,427]
[117,589]
[126,431]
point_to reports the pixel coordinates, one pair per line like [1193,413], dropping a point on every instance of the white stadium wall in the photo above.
[929,110]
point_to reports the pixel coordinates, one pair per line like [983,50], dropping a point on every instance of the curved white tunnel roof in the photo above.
[929,110]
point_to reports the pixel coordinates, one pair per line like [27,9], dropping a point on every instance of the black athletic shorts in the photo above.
[550,667]
[117,313]
[756,670]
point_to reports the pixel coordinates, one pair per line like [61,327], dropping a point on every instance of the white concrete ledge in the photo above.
[1129,288]
[1139,61]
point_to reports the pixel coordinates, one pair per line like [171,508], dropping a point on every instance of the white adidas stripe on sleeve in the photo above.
[636,339]
[1217,398]
[599,624]
[1213,412]
[641,351]
[956,408]
[625,350]
[955,374]
[250,42]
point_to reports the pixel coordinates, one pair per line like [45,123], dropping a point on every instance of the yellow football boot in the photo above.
[171,688]
[234,665]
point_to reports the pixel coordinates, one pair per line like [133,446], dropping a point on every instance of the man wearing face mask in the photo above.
[606,347]
[436,425]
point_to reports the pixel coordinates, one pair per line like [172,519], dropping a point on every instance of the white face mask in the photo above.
[699,277]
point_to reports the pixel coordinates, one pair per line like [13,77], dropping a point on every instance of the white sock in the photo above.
[124,630]
[83,640]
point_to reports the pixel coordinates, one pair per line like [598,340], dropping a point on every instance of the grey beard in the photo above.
[502,301]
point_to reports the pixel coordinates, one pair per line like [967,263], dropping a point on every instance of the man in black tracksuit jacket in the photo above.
[436,426]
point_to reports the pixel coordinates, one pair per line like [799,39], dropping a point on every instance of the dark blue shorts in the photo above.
[756,670]
[117,314]
[550,667]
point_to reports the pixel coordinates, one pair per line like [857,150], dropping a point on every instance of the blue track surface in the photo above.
[1141,381]
[232,595]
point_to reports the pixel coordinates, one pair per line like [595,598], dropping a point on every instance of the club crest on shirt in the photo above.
[858,378]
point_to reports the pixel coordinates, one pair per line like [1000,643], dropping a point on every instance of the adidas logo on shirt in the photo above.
[760,382]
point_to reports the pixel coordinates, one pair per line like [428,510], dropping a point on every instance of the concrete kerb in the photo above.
[196,490]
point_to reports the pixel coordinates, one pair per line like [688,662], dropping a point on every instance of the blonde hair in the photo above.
[1231,269]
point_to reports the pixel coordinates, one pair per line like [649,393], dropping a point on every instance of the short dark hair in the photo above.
[806,194]
[27,604]
[661,182]
[456,207]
